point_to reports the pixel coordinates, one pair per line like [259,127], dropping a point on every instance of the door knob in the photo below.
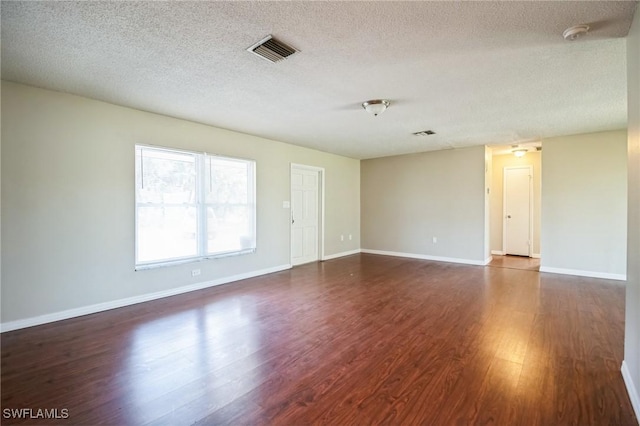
[509,216]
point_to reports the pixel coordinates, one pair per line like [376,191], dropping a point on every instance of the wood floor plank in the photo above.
[364,339]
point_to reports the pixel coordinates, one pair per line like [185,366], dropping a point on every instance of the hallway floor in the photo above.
[515,262]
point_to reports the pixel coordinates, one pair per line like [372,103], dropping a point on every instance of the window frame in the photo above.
[200,205]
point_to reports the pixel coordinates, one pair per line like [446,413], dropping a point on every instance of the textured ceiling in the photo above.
[474,72]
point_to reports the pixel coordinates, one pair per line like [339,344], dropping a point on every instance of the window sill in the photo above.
[164,264]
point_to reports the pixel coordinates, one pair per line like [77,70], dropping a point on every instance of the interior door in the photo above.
[304,215]
[517,210]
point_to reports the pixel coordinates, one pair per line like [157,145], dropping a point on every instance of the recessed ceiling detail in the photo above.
[271,49]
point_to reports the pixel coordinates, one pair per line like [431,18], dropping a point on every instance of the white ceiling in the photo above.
[474,72]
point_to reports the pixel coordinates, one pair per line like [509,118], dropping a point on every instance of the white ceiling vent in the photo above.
[271,49]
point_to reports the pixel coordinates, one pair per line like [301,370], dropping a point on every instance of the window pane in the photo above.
[230,198]
[165,176]
[230,228]
[227,181]
[167,232]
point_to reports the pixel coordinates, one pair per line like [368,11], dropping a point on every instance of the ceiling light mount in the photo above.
[575,32]
[376,106]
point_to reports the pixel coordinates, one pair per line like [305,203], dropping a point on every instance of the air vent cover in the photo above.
[271,49]
[425,133]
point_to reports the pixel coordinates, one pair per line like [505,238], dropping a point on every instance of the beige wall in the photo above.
[584,204]
[68,201]
[631,367]
[409,199]
[497,187]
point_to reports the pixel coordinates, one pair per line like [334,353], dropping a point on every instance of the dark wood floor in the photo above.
[359,340]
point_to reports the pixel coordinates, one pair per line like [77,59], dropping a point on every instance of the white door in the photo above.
[304,215]
[517,210]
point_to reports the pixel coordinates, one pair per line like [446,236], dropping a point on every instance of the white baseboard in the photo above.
[425,257]
[535,255]
[99,307]
[341,254]
[632,390]
[580,273]
[488,260]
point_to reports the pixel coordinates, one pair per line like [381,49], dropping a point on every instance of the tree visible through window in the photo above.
[192,206]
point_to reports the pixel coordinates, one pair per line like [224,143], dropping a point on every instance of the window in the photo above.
[192,206]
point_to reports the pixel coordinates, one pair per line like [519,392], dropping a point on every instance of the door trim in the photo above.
[321,185]
[504,206]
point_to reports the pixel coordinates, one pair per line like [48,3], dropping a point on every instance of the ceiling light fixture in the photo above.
[519,152]
[376,106]
[574,32]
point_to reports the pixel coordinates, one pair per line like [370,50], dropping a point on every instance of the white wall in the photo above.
[409,199]
[497,199]
[584,204]
[488,178]
[631,365]
[68,201]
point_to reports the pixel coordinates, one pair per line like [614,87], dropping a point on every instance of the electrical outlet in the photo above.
[435,240]
[195,272]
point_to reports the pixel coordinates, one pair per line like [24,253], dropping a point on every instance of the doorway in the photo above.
[500,160]
[517,214]
[307,213]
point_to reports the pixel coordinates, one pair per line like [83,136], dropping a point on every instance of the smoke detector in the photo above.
[575,32]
